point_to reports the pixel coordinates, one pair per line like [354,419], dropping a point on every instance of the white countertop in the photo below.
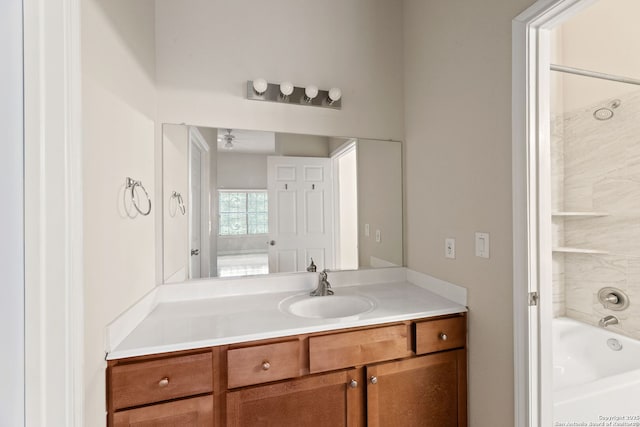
[205,322]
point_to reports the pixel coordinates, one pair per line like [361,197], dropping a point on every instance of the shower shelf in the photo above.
[564,249]
[579,214]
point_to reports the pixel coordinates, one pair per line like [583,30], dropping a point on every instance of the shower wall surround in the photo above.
[596,200]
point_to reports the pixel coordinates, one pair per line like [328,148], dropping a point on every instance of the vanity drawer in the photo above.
[263,363]
[347,349]
[140,383]
[441,334]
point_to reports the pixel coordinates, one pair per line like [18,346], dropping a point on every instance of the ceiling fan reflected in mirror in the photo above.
[228,140]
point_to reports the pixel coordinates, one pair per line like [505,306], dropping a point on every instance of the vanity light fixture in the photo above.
[310,92]
[260,86]
[287,92]
[334,95]
[286,89]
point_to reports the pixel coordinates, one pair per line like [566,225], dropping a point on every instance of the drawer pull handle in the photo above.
[373,380]
[353,384]
[266,365]
[163,382]
[443,336]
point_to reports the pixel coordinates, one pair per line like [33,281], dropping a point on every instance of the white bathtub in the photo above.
[593,383]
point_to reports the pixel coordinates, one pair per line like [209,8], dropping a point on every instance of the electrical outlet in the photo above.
[366,230]
[378,236]
[450,248]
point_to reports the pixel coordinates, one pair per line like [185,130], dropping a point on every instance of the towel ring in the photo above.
[178,197]
[130,183]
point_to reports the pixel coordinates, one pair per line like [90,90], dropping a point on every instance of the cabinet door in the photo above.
[194,412]
[427,391]
[327,400]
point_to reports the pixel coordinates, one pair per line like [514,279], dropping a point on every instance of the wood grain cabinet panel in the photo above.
[325,400]
[357,348]
[440,334]
[263,363]
[193,412]
[140,383]
[426,391]
[409,374]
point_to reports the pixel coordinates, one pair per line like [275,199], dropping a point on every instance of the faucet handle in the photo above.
[312,267]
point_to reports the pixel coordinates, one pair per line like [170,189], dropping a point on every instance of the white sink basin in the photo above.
[327,307]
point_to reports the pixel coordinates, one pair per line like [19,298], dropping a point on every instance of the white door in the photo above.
[300,207]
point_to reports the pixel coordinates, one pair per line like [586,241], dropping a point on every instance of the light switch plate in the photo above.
[366,230]
[378,236]
[450,248]
[482,245]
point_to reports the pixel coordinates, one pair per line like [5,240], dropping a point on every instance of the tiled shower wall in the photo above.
[596,168]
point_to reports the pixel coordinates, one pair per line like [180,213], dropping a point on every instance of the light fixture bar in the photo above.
[272,94]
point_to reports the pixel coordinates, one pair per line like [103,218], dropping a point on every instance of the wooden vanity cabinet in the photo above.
[410,374]
[426,391]
[325,400]
[161,390]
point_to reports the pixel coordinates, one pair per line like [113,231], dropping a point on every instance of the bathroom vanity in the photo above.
[401,361]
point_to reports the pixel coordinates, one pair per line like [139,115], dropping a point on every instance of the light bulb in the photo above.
[260,86]
[310,92]
[286,88]
[334,95]
[228,145]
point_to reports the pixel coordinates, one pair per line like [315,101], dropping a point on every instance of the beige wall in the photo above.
[600,38]
[242,171]
[458,174]
[291,144]
[380,201]
[208,49]
[118,113]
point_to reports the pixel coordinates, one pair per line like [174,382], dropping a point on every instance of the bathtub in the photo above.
[592,382]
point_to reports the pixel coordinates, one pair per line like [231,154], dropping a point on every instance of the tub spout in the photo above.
[608,320]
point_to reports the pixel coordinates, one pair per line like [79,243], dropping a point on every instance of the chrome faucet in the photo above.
[324,287]
[608,320]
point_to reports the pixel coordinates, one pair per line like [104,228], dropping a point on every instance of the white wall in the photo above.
[119,108]
[12,407]
[208,49]
[175,225]
[458,175]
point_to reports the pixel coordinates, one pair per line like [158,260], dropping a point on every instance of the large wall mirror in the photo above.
[241,202]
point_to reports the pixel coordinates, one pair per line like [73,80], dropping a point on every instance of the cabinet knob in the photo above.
[443,336]
[163,382]
[353,384]
[373,380]
[266,365]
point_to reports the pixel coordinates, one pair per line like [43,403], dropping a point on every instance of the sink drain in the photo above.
[614,344]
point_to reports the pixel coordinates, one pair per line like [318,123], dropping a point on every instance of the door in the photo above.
[194,412]
[426,391]
[327,400]
[300,213]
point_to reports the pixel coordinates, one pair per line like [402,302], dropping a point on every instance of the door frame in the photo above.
[12,315]
[348,146]
[54,288]
[531,210]
[196,138]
